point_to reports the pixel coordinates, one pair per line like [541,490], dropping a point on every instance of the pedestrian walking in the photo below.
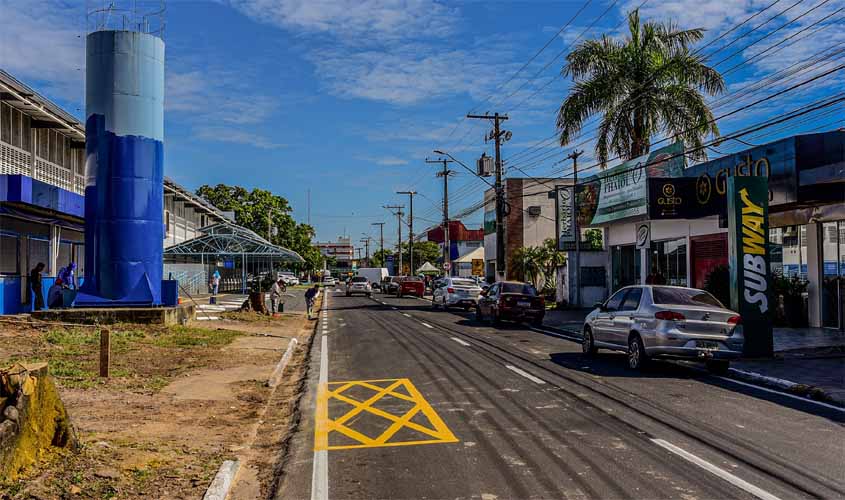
[35,286]
[276,295]
[215,282]
[310,296]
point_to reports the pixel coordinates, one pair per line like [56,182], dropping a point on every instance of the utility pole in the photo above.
[410,231]
[574,157]
[270,225]
[366,242]
[500,198]
[445,173]
[381,239]
[399,228]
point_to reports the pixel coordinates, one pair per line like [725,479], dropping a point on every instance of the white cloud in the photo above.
[356,21]
[235,136]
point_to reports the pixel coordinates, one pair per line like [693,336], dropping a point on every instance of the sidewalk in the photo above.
[807,361]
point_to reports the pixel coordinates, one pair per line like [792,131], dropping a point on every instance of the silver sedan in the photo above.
[665,321]
[455,292]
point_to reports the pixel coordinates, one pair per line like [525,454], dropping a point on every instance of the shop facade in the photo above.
[678,233]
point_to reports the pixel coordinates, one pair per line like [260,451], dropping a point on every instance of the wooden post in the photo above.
[105,352]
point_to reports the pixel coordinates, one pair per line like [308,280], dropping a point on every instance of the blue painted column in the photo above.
[124,189]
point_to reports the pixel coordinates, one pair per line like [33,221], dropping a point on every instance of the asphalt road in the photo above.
[418,403]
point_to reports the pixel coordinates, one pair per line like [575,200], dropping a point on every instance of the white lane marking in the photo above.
[406,315]
[320,471]
[462,342]
[208,318]
[727,476]
[525,374]
[779,393]
[426,325]
[394,308]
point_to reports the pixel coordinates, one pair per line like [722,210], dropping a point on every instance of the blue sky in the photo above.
[347,98]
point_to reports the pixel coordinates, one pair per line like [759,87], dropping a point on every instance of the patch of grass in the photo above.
[73,337]
[188,336]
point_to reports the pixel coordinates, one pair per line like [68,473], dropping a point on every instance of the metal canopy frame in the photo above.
[230,239]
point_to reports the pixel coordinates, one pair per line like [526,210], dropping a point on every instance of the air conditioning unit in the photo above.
[534,211]
[484,166]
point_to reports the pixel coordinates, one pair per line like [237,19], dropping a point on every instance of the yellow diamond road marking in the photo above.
[327,428]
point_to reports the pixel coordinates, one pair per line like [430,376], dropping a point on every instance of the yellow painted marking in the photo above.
[326,427]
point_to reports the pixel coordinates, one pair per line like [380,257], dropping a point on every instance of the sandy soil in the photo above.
[180,401]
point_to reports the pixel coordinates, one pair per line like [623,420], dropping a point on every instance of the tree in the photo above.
[424,251]
[593,239]
[380,257]
[257,210]
[538,265]
[646,84]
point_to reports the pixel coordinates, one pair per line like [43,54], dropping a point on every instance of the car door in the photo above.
[603,324]
[485,304]
[626,316]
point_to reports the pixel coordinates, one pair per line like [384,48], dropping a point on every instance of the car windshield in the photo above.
[463,283]
[523,288]
[684,297]
[359,279]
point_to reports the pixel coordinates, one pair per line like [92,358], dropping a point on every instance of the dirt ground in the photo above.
[180,401]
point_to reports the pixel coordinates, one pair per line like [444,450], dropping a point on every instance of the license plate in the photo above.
[462,292]
[522,303]
[706,344]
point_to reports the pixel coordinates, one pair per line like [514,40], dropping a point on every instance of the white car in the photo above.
[455,292]
[359,284]
[329,281]
[289,278]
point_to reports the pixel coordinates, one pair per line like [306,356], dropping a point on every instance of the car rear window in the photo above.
[523,288]
[413,278]
[684,297]
[359,279]
[463,282]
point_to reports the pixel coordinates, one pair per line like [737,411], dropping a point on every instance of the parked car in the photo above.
[511,300]
[289,278]
[373,274]
[359,284]
[665,321]
[411,285]
[391,284]
[455,292]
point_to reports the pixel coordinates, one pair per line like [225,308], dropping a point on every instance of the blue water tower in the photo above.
[124,188]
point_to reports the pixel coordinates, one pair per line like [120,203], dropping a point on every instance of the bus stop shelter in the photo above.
[236,252]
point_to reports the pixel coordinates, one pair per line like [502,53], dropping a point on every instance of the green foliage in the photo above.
[257,209]
[593,238]
[185,336]
[424,251]
[539,264]
[380,257]
[645,84]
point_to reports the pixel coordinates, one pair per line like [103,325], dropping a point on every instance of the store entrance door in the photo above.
[833,275]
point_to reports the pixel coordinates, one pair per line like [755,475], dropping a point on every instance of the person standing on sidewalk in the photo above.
[215,282]
[310,297]
[35,286]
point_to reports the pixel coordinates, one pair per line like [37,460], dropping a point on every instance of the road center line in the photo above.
[727,476]
[462,342]
[426,325]
[320,467]
[525,374]
[406,315]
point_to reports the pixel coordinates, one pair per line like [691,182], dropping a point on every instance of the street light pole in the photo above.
[445,174]
[381,239]
[399,228]
[574,157]
[410,231]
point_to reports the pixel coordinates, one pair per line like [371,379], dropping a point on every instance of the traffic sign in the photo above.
[447,266]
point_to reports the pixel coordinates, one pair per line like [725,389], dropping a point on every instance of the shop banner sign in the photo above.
[682,198]
[478,267]
[749,259]
[565,209]
[622,191]
[490,222]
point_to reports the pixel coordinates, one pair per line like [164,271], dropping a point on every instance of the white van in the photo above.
[373,274]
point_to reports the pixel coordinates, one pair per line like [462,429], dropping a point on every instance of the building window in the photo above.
[9,254]
[669,258]
[788,257]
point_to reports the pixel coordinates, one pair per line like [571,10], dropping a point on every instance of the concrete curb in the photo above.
[808,391]
[276,377]
[223,481]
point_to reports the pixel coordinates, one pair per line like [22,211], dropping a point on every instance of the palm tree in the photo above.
[643,85]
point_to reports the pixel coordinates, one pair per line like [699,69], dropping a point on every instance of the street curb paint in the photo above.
[794,389]
[276,376]
[223,481]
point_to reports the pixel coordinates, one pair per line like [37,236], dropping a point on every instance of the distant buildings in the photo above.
[343,252]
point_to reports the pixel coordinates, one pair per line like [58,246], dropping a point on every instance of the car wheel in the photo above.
[637,357]
[445,305]
[588,345]
[718,366]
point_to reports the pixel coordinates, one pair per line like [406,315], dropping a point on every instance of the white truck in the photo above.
[373,274]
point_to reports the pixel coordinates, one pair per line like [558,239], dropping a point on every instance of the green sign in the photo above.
[622,191]
[748,253]
[490,222]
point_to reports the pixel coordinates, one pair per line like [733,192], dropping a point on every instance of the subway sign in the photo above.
[749,259]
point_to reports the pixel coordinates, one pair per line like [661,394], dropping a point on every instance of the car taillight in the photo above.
[450,290]
[735,320]
[669,315]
